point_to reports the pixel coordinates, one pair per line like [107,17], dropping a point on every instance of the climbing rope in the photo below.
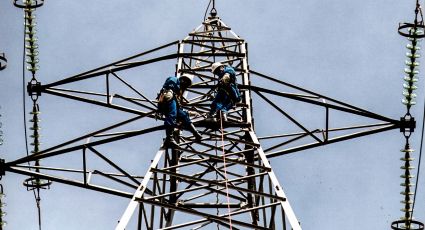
[225,170]
[206,10]
[216,178]
[213,11]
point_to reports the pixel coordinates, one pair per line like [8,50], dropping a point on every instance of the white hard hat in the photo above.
[215,66]
[186,79]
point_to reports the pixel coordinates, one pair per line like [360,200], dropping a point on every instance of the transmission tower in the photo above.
[224,179]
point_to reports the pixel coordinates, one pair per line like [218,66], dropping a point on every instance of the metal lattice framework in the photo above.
[226,178]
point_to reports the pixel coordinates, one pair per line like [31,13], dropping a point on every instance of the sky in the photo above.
[347,50]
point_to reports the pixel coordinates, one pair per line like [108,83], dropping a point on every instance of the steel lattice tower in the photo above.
[200,182]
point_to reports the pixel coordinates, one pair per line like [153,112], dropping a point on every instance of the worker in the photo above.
[169,105]
[227,94]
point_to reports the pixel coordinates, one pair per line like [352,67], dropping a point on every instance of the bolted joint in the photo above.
[3,61]
[2,167]
[407,124]
[34,88]
[213,13]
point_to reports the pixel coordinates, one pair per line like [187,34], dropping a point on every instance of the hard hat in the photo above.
[215,66]
[186,80]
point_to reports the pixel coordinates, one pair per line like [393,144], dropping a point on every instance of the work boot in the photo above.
[170,142]
[223,116]
[211,118]
[195,132]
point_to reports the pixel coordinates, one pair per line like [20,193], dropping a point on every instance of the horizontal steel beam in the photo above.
[214,218]
[44,154]
[331,141]
[69,182]
[114,63]
[372,115]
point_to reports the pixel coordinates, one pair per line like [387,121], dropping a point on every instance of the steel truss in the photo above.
[186,187]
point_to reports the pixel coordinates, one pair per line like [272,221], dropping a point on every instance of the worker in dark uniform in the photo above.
[227,94]
[169,100]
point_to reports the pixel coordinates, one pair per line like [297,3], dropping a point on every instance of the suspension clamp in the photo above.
[34,88]
[407,124]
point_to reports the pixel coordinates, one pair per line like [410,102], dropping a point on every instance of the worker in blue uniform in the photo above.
[227,94]
[169,105]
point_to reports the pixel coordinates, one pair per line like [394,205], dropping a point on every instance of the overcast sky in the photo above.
[347,50]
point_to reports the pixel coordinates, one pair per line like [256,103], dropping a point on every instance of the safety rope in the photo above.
[213,11]
[206,10]
[216,178]
[225,170]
